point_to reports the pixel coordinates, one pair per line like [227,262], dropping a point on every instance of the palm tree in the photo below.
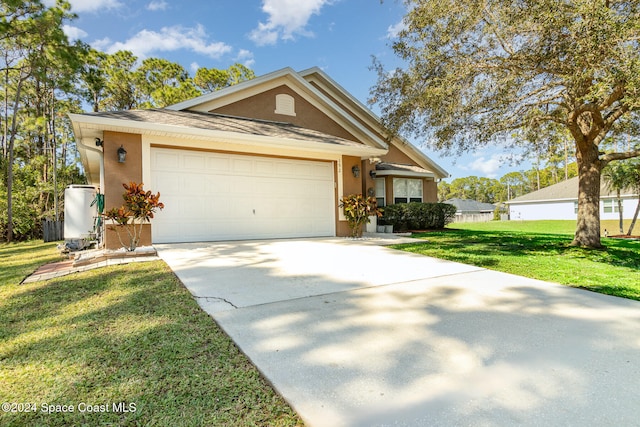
[617,176]
[634,183]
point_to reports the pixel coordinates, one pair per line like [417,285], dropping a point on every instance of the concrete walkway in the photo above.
[88,260]
[355,334]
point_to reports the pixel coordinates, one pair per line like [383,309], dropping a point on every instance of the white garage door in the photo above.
[218,196]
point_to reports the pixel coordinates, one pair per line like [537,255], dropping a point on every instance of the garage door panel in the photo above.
[167,161]
[194,163]
[219,164]
[216,196]
[241,166]
[264,168]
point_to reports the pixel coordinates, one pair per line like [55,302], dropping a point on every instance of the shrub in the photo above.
[139,207]
[419,216]
[357,210]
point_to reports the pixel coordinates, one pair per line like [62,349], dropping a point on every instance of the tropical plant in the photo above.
[617,177]
[357,209]
[138,208]
[634,183]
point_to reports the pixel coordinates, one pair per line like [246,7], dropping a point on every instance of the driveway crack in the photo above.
[217,299]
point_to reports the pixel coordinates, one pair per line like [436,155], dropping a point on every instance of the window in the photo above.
[575,207]
[407,190]
[285,104]
[380,191]
[610,206]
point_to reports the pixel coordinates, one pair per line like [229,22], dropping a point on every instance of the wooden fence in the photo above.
[52,231]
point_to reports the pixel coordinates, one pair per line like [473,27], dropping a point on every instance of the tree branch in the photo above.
[609,157]
[616,95]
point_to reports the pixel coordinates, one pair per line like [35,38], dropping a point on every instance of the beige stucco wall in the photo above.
[263,105]
[430,191]
[351,185]
[116,174]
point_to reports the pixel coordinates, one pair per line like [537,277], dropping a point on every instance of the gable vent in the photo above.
[285,104]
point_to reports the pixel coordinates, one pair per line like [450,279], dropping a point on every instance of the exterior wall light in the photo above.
[355,171]
[372,174]
[122,154]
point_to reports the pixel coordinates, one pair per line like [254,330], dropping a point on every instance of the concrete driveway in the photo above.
[352,333]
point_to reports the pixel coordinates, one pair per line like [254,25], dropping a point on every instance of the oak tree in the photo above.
[485,71]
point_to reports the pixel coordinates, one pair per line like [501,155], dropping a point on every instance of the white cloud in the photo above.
[245,57]
[487,166]
[157,5]
[94,5]
[74,33]
[393,30]
[286,19]
[168,39]
[194,67]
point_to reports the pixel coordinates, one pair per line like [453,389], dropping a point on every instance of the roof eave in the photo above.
[92,123]
[288,73]
[424,160]
[405,173]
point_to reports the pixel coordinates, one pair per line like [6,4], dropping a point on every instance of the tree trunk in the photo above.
[589,169]
[635,217]
[12,139]
[621,219]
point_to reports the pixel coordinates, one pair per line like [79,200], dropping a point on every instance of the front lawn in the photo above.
[123,345]
[540,250]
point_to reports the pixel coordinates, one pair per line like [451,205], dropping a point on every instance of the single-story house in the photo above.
[560,201]
[266,158]
[471,210]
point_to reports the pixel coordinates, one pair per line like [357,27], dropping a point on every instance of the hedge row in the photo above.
[418,216]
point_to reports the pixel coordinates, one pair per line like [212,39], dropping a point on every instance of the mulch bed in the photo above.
[624,236]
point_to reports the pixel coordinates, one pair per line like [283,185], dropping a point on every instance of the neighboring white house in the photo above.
[560,201]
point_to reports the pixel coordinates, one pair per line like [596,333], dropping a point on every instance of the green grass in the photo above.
[540,250]
[544,227]
[129,333]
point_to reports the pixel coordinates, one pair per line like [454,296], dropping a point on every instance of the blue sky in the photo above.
[339,36]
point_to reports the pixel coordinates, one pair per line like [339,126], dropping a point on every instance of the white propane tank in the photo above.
[79,216]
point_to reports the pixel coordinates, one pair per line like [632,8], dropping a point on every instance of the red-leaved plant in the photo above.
[138,208]
[357,210]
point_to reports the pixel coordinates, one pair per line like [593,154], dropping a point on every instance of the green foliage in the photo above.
[139,207]
[211,79]
[39,67]
[161,82]
[115,82]
[509,186]
[419,216]
[478,73]
[357,210]
[43,77]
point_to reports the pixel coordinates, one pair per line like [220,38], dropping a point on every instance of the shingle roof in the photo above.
[564,190]
[224,123]
[469,206]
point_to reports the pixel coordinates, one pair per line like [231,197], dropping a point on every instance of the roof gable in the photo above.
[361,112]
[323,93]
[286,77]
[564,190]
